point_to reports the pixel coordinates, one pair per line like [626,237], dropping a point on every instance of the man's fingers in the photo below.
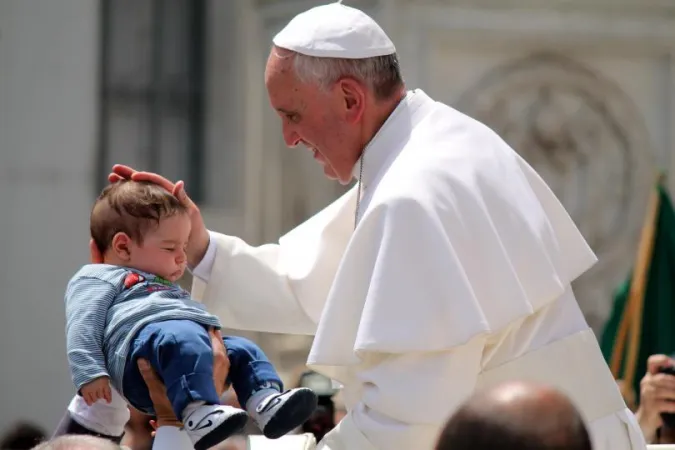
[660,394]
[663,381]
[657,362]
[123,171]
[180,194]
[149,375]
[153,178]
[221,363]
[664,395]
[114,178]
[664,406]
[146,370]
[217,337]
[153,424]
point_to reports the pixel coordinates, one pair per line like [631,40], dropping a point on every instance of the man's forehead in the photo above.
[279,64]
[286,92]
[290,104]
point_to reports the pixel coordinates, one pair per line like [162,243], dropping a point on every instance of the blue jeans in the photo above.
[180,352]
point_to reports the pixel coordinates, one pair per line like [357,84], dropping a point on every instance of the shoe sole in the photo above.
[292,414]
[232,425]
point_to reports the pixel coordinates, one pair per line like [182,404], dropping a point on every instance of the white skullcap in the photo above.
[335,31]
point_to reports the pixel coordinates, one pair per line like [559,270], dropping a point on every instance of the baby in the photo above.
[130,308]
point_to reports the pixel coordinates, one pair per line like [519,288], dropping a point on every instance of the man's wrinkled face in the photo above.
[316,118]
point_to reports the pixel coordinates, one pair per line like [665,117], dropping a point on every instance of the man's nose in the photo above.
[291,138]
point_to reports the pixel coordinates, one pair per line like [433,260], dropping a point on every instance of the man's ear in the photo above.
[121,246]
[354,98]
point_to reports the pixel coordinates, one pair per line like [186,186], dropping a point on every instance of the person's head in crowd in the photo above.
[22,436]
[516,416]
[78,442]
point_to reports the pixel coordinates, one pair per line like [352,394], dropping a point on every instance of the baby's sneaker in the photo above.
[280,413]
[208,425]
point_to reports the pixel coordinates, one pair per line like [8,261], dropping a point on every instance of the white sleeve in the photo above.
[399,408]
[203,269]
[171,438]
[249,288]
[277,288]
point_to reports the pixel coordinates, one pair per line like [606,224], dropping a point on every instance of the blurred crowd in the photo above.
[515,415]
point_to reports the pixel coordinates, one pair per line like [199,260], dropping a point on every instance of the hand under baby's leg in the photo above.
[180,353]
[260,390]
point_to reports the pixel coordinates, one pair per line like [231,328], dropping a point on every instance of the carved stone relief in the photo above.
[586,139]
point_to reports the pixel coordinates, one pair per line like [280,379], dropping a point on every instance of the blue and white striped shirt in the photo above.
[106,306]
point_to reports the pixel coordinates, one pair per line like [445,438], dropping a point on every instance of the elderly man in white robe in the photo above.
[446,269]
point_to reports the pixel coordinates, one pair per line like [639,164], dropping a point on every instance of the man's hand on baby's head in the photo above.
[97,390]
[199,236]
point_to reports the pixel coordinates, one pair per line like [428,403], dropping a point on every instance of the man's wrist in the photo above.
[201,246]
[648,425]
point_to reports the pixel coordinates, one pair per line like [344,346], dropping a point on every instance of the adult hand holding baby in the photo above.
[160,402]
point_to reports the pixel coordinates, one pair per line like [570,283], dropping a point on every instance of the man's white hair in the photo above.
[79,442]
[382,74]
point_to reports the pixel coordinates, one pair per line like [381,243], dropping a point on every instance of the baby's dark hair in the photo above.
[131,207]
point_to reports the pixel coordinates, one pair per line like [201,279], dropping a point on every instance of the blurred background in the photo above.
[583,89]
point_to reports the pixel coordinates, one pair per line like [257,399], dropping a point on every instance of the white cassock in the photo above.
[456,277]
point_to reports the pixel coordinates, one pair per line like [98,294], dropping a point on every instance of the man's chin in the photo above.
[344,182]
[332,175]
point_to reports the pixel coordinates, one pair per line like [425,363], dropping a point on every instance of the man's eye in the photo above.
[293,117]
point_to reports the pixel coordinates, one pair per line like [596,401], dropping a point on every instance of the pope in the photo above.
[446,269]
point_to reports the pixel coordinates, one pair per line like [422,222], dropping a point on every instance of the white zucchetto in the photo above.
[335,31]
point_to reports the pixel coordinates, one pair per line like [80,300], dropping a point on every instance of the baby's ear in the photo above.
[95,255]
[121,246]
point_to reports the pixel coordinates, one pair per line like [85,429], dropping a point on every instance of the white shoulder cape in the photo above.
[461,238]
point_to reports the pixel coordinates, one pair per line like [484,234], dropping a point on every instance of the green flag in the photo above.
[642,321]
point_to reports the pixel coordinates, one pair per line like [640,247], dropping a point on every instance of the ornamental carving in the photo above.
[584,137]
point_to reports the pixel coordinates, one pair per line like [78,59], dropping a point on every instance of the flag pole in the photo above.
[631,321]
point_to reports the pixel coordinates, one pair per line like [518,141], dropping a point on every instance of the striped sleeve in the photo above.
[87,303]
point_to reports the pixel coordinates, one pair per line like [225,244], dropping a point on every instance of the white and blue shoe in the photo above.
[281,413]
[209,425]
